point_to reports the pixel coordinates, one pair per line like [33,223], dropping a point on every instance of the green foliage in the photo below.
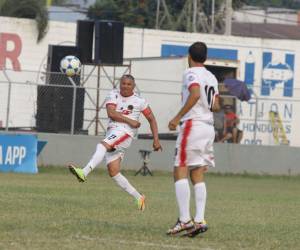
[132,12]
[33,9]
[142,13]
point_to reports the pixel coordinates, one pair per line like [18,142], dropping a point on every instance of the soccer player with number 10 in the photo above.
[194,145]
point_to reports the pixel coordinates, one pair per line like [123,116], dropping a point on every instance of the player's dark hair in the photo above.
[198,52]
[127,76]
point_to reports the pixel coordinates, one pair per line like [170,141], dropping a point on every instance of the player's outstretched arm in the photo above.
[190,102]
[154,128]
[118,117]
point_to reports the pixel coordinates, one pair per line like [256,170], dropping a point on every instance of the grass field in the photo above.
[51,210]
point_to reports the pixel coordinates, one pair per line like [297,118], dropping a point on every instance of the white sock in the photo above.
[96,159]
[126,186]
[183,193]
[200,199]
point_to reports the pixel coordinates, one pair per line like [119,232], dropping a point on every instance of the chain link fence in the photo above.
[54,103]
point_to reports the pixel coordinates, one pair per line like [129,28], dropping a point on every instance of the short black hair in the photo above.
[198,52]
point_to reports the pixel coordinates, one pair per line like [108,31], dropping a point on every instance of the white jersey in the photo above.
[130,106]
[208,83]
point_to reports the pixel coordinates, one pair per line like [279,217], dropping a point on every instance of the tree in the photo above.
[33,9]
[134,13]
[105,9]
[175,14]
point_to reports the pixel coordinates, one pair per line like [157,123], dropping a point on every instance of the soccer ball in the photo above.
[70,65]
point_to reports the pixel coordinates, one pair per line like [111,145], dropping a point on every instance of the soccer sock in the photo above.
[200,199]
[183,193]
[126,186]
[95,160]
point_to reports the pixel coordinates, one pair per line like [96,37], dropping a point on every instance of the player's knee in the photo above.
[108,147]
[113,172]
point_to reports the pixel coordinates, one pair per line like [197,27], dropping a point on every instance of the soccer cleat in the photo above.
[78,172]
[197,229]
[180,226]
[141,203]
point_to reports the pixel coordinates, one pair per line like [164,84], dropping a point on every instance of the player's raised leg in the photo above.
[96,159]
[121,181]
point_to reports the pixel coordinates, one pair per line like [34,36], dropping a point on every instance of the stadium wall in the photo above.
[230,158]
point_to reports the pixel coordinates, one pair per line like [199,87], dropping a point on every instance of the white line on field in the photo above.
[142,243]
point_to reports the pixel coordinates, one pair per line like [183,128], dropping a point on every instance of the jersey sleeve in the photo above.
[111,99]
[191,80]
[145,107]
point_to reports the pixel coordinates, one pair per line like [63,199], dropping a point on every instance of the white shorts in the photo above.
[194,145]
[120,141]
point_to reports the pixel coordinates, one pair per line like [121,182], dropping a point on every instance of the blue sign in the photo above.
[18,153]
[276,73]
[168,50]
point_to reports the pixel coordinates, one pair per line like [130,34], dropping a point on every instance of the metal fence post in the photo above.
[8,99]
[73,105]
[255,118]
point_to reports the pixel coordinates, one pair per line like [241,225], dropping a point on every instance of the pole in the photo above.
[194,15]
[212,16]
[8,100]
[157,14]
[228,17]
[188,15]
[255,120]
[97,100]
[73,105]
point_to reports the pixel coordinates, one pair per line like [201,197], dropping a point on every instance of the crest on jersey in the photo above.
[191,78]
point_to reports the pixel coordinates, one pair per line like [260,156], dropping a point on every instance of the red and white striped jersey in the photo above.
[130,106]
[208,83]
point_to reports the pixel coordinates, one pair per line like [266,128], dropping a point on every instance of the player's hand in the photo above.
[156,145]
[174,123]
[134,124]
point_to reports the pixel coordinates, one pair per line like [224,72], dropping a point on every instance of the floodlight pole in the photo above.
[73,104]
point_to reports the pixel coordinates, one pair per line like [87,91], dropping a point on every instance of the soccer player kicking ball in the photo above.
[123,109]
[194,145]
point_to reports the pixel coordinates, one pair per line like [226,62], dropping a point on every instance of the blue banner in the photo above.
[18,153]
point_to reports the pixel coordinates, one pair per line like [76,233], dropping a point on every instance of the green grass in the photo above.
[51,210]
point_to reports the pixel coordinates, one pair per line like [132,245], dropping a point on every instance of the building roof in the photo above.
[266,30]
